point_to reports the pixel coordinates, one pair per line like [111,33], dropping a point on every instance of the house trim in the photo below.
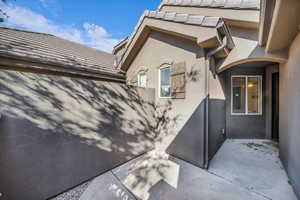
[276,59]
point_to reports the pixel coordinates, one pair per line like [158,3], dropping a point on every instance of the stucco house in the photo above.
[192,74]
[216,61]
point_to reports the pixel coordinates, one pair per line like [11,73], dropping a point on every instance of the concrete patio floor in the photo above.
[242,169]
[254,165]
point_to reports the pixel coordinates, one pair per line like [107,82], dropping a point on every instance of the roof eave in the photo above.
[206,24]
[10,61]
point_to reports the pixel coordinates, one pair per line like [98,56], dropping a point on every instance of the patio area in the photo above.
[242,169]
[255,166]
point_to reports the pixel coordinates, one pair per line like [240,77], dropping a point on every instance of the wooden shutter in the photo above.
[178,72]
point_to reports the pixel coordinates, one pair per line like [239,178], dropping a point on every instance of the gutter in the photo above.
[207,113]
[227,42]
[210,60]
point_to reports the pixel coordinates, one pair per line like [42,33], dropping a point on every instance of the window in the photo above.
[246,96]
[165,82]
[142,79]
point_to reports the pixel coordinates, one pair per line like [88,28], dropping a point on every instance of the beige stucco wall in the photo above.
[161,48]
[191,32]
[289,126]
[285,24]
[247,49]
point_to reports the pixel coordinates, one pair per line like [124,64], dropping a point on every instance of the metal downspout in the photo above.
[206,111]
[209,55]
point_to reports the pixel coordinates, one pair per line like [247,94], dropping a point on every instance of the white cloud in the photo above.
[90,34]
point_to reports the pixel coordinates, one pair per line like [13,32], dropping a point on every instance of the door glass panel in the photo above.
[238,94]
[254,95]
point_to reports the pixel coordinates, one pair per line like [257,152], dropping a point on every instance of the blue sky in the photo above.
[96,23]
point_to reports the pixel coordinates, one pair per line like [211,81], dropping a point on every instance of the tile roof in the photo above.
[184,18]
[229,4]
[198,20]
[48,49]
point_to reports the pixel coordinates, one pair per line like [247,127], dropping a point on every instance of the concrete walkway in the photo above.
[247,170]
[254,165]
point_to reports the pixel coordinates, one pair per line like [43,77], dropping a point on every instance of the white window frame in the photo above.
[139,76]
[246,100]
[159,82]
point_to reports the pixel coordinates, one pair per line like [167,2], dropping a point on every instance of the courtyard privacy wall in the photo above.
[289,114]
[56,132]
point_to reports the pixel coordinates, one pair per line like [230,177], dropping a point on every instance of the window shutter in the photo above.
[178,72]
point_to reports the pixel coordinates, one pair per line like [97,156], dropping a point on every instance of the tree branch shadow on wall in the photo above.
[101,114]
[145,175]
[120,121]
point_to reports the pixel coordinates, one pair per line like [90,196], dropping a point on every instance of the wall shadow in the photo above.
[57,132]
[189,144]
[217,126]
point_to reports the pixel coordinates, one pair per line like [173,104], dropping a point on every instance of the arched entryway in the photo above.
[250,155]
[252,100]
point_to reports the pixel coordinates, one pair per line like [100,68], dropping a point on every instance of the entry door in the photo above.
[275,106]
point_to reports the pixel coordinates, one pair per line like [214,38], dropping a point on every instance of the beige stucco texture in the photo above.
[161,49]
[247,50]
[289,113]
[196,33]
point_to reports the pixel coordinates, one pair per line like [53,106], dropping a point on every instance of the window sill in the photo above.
[165,97]
[248,114]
